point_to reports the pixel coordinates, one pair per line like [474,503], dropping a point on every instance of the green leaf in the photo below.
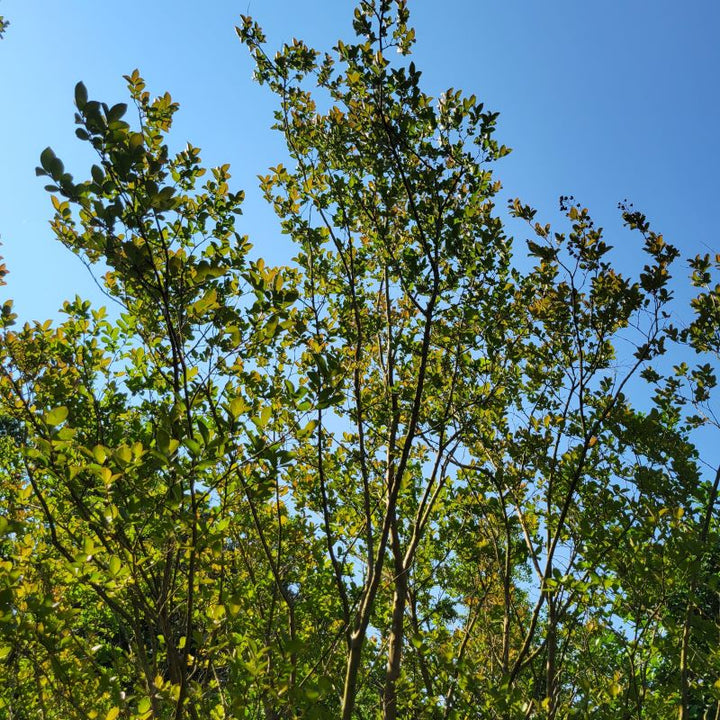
[81,96]
[116,112]
[56,416]
[205,303]
[238,406]
[124,455]
[163,441]
[144,705]
[47,157]
[114,566]
[307,430]
[216,612]
[99,454]
[265,414]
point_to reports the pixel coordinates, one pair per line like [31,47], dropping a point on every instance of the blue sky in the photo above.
[599,100]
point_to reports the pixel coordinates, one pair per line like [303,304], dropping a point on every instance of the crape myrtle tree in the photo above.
[405,475]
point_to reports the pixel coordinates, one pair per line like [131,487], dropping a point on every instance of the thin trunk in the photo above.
[684,649]
[351,673]
[507,609]
[397,630]
[551,666]
[395,651]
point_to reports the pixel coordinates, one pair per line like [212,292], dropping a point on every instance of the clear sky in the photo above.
[601,100]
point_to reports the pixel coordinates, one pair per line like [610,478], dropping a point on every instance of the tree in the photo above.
[411,474]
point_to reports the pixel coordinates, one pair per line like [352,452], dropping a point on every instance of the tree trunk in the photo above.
[351,674]
[395,647]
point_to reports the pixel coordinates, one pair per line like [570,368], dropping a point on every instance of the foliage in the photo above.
[417,472]
[3,26]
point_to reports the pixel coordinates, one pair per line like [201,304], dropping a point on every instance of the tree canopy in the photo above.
[422,470]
